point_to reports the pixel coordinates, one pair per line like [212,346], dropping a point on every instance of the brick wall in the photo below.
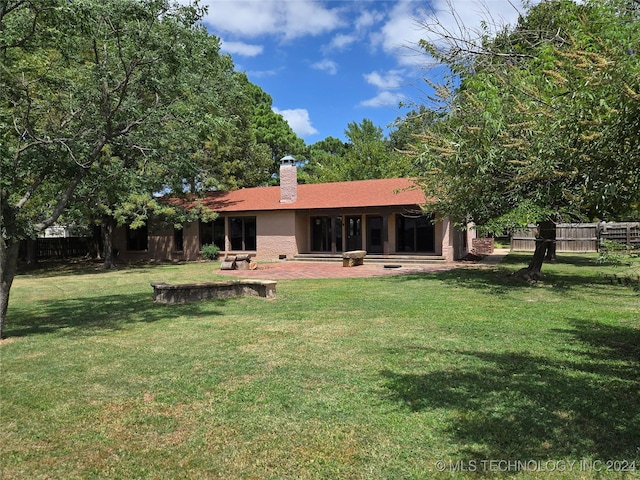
[482,246]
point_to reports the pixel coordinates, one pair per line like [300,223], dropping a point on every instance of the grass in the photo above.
[356,378]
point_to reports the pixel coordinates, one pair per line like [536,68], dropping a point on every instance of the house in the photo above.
[382,217]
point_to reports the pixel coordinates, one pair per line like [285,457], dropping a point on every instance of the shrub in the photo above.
[611,253]
[210,251]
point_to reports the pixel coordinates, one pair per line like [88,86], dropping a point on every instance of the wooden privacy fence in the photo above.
[581,237]
[627,234]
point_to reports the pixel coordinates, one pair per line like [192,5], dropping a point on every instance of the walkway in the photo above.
[311,270]
[495,258]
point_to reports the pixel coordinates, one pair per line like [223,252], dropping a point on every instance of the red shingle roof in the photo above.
[362,193]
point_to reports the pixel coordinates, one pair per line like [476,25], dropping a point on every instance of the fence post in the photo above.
[599,229]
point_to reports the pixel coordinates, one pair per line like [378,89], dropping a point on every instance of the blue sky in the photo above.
[328,63]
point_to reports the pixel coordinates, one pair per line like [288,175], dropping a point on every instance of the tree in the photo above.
[540,123]
[235,155]
[271,129]
[325,162]
[89,89]
[367,154]
[410,127]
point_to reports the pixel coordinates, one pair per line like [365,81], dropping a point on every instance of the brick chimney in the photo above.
[288,180]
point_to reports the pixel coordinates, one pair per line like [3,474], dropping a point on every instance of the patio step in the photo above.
[369,259]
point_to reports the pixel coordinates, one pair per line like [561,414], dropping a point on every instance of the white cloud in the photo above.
[358,30]
[367,19]
[299,121]
[383,99]
[326,65]
[242,49]
[399,30]
[386,83]
[409,22]
[287,19]
[389,80]
[262,73]
[340,42]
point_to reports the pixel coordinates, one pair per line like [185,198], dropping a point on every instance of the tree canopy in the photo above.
[106,102]
[367,154]
[541,122]
[271,129]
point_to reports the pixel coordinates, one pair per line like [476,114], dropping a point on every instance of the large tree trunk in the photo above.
[8,267]
[548,232]
[545,249]
[108,227]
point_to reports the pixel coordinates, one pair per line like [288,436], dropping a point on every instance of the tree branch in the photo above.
[6,9]
[62,202]
[31,190]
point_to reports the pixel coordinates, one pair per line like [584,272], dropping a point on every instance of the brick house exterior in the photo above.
[382,217]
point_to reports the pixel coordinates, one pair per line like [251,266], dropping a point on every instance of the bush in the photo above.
[210,251]
[611,253]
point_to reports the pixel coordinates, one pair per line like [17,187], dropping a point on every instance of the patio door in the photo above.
[354,232]
[415,234]
[374,234]
[326,234]
[320,234]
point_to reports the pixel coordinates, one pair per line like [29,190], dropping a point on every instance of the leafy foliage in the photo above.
[210,251]
[543,121]
[611,253]
[325,162]
[104,105]
[367,154]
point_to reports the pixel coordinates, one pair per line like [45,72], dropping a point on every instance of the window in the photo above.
[178,239]
[321,234]
[242,233]
[375,237]
[137,238]
[415,234]
[213,232]
[326,234]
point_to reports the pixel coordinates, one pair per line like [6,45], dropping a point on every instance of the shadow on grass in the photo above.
[609,343]
[522,406]
[86,316]
[559,275]
[83,266]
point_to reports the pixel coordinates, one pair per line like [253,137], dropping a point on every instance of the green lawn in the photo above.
[390,377]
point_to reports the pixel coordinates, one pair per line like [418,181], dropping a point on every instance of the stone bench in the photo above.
[353,258]
[193,292]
